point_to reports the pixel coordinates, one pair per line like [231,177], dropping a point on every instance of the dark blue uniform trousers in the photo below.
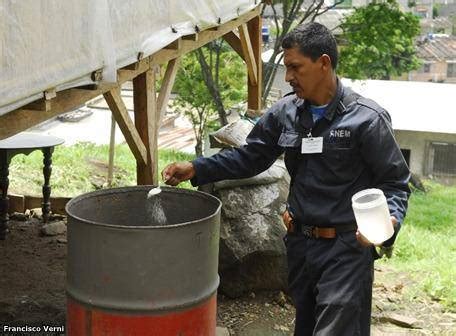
[330,282]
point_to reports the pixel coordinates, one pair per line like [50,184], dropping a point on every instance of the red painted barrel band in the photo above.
[198,320]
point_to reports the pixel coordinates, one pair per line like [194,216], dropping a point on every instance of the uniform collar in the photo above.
[333,107]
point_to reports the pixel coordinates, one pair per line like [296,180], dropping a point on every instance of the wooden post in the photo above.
[119,110]
[146,122]
[166,87]
[247,51]
[235,43]
[254,90]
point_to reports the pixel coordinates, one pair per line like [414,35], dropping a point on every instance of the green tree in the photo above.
[435,10]
[293,13]
[194,98]
[379,42]
[223,73]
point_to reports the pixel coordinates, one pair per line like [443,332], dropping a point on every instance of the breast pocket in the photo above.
[339,163]
[289,140]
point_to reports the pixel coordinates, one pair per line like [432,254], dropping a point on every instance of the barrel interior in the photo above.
[128,206]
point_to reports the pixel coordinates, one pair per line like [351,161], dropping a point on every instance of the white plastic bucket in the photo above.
[372,215]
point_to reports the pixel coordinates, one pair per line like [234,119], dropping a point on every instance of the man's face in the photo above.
[304,75]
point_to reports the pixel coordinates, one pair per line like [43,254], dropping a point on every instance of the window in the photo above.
[451,69]
[427,67]
[442,158]
[406,155]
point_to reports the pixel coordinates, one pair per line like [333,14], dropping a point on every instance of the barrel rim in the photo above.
[95,193]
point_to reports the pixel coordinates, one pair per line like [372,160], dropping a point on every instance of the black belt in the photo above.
[322,232]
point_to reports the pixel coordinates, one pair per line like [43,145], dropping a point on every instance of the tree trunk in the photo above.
[212,87]
[199,147]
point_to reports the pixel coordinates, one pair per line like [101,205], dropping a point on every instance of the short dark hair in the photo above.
[313,40]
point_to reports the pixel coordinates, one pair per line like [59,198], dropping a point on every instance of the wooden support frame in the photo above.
[247,50]
[166,87]
[120,113]
[23,118]
[192,37]
[175,45]
[145,106]
[165,55]
[43,104]
[149,109]
[254,90]
[235,43]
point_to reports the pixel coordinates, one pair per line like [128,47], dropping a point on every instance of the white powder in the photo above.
[154,209]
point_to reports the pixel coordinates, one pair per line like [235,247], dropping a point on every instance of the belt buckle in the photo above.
[307,231]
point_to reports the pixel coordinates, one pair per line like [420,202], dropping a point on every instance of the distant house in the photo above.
[440,25]
[424,122]
[438,53]
[428,8]
[333,18]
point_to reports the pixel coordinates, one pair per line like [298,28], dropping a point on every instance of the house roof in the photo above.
[413,106]
[439,22]
[333,18]
[438,48]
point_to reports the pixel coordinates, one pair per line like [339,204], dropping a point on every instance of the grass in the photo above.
[425,249]
[81,168]
[426,245]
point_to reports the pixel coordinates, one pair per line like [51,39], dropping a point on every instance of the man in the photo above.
[336,143]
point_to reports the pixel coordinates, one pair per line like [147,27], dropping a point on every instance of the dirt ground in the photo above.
[32,291]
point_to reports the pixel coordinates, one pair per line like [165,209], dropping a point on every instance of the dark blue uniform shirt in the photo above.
[359,152]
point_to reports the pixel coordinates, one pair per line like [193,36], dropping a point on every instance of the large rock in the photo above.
[276,172]
[252,253]
[54,228]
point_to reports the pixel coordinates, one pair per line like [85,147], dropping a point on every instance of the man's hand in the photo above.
[176,172]
[364,241]
[287,221]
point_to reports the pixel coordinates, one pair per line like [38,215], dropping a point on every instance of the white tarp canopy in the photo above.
[48,44]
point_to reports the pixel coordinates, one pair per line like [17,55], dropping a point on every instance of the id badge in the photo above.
[312,145]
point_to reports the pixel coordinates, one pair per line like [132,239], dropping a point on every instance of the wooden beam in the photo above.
[72,98]
[254,90]
[124,75]
[50,94]
[175,45]
[43,104]
[204,37]
[146,117]
[135,66]
[166,87]
[39,105]
[235,43]
[90,87]
[191,37]
[22,119]
[120,112]
[131,67]
[247,50]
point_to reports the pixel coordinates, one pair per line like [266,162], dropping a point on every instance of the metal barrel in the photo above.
[127,277]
